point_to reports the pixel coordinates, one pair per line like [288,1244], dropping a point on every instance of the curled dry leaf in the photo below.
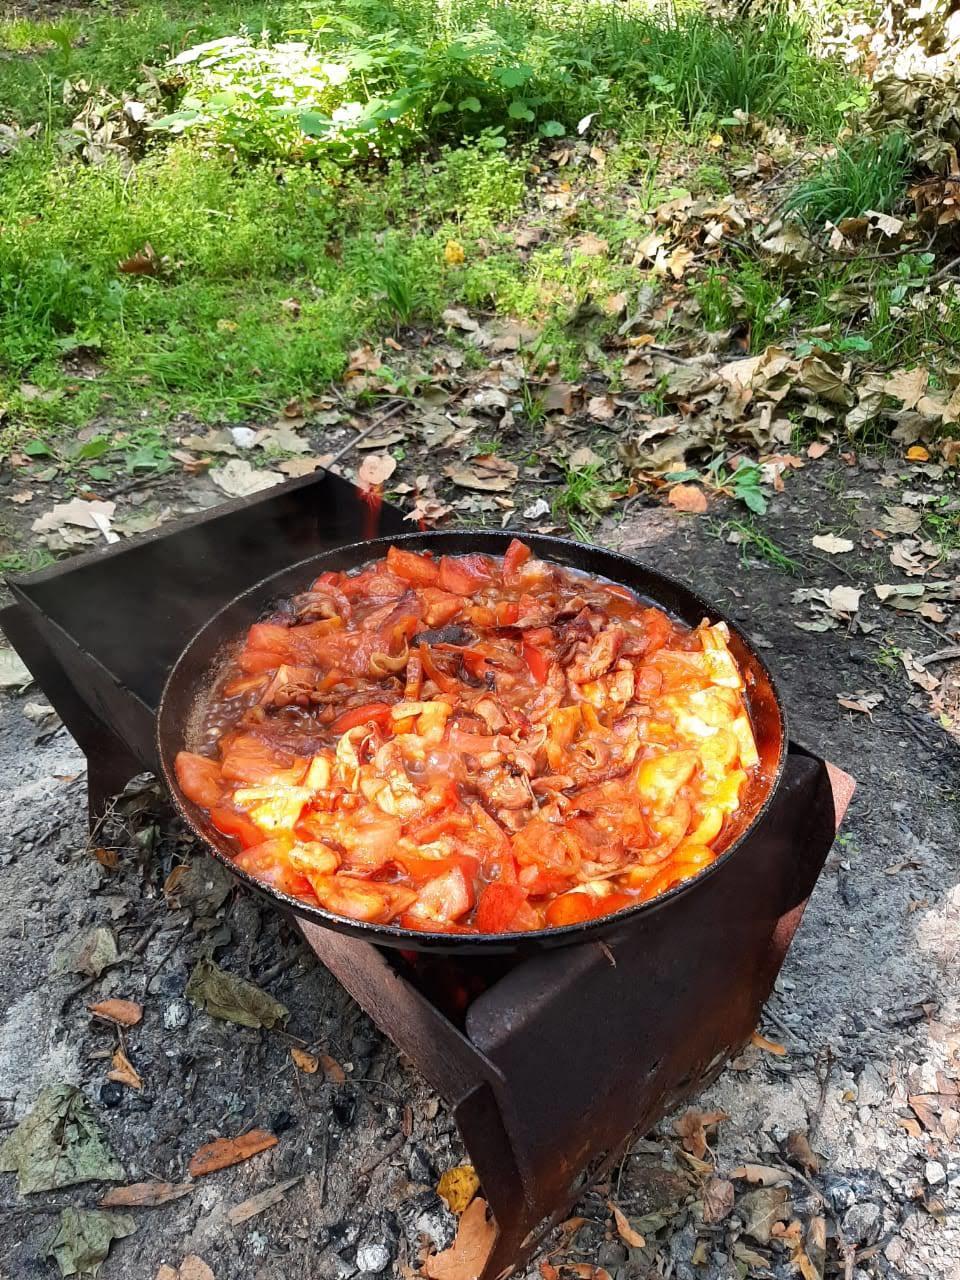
[862,702]
[691,1127]
[307,1062]
[238,479]
[817,449]
[375,470]
[687,497]
[126,1013]
[718,1199]
[768,1046]
[124,1072]
[145,1195]
[798,1149]
[145,262]
[332,1069]
[458,1186]
[633,1239]
[223,1152]
[486,472]
[763,1175]
[467,1256]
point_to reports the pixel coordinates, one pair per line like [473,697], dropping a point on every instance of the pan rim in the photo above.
[486,943]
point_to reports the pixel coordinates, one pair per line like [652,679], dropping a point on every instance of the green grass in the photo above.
[582,499]
[358,241]
[864,173]
[754,543]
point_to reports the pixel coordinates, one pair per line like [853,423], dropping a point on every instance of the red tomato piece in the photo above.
[269,861]
[464,575]
[231,822]
[200,778]
[369,713]
[439,607]
[570,908]
[517,554]
[498,907]
[422,571]
[445,898]
[537,661]
[248,759]
[507,612]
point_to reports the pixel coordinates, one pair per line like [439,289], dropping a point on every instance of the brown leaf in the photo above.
[798,1150]
[587,1271]
[486,471]
[687,497]
[247,1209]
[124,1072]
[764,1175]
[560,397]
[223,1152]
[332,1068]
[633,1239]
[907,385]
[194,1268]
[768,1046]
[145,1195]
[762,1208]
[458,1186]
[601,407]
[817,449]
[126,1013]
[692,1127]
[590,246]
[307,1062]
[548,1271]
[717,1200]
[467,1256]
[144,262]
[375,470]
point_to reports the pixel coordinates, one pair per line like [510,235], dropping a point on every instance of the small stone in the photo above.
[934,1172]
[871,1090]
[419,1166]
[111,1093]
[861,1222]
[176,1015]
[373,1256]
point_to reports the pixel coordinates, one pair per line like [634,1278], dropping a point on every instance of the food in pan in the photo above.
[473,744]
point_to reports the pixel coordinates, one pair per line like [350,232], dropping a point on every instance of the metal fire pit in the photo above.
[550,1062]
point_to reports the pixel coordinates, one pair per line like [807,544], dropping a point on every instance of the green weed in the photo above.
[863,173]
[753,541]
[582,499]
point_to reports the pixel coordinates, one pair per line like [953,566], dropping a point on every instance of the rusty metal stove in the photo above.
[549,1063]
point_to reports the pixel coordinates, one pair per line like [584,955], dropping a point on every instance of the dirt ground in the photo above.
[867,1007]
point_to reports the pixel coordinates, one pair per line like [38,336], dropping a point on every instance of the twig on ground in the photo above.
[941,655]
[377,422]
[166,955]
[825,1057]
[281,966]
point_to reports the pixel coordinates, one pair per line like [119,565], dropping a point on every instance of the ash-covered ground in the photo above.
[867,1007]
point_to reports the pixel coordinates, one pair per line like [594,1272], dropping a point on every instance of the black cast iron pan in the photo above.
[195,671]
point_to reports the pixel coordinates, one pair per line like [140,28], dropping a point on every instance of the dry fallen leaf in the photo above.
[798,1150]
[223,1152]
[687,497]
[692,1127]
[917,453]
[763,1175]
[332,1069]
[486,472]
[145,1195]
[458,1186]
[194,1268]
[467,1256]
[80,514]
[633,1239]
[817,449]
[238,479]
[375,470]
[127,1013]
[718,1197]
[830,543]
[768,1046]
[307,1062]
[124,1072]
[907,385]
[145,262]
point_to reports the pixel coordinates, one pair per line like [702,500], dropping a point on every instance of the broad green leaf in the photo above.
[94,448]
[518,110]
[513,77]
[37,449]
[552,129]
[470,104]
[224,995]
[58,1144]
[84,1237]
[314,124]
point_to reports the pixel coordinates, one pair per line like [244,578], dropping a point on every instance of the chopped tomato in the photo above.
[507,612]
[498,907]
[249,759]
[445,683]
[200,778]
[516,554]
[421,870]
[537,661]
[464,575]
[439,607]
[269,861]
[236,824]
[423,571]
[570,908]
[445,898]
[369,713]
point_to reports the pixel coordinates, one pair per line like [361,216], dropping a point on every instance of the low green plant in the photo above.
[864,173]
[582,499]
[752,540]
